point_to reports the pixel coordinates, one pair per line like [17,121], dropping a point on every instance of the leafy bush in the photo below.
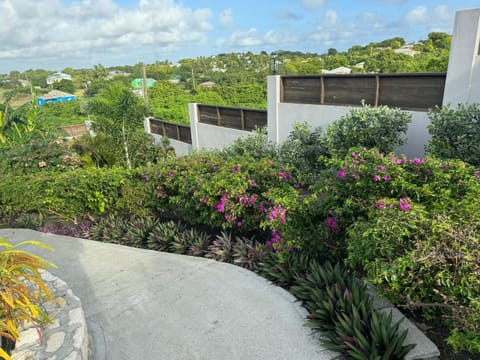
[239,193]
[302,150]
[255,145]
[73,194]
[38,155]
[18,302]
[372,127]
[410,226]
[455,133]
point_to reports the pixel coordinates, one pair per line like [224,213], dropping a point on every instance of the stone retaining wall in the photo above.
[66,338]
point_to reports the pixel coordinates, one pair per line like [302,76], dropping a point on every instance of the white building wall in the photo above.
[463,75]
[206,136]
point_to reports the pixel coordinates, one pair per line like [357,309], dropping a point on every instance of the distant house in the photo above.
[175,79]
[207,84]
[339,70]
[114,73]
[55,96]
[58,76]
[138,83]
[406,50]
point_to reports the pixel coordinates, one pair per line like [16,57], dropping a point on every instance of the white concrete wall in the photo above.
[206,136]
[283,116]
[463,75]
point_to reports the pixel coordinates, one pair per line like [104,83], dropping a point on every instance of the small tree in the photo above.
[371,127]
[118,114]
[455,133]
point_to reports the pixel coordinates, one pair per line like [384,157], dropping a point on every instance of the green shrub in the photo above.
[73,194]
[411,226]
[372,127]
[255,145]
[455,133]
[302,150]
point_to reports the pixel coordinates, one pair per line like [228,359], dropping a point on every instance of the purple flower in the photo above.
[235,168]
[252,183]
[376,178]
[477,175]
[404,204]
[284,175]
[382,167]
[341,174]
[332,224]
[381,204]
[355,155]
[356,176]
[386,178]
[275,239]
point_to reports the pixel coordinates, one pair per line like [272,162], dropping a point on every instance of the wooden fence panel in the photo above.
[172,131]
[255,119]
[406,91]
[207,114]
[346,90]
[302,90]
[411,92]
[234,118]
[230,118]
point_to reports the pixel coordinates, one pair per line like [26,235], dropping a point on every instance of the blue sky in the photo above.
[55,34]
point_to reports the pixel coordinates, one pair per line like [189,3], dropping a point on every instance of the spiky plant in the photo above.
[199,242]
[97,229]
[115,230]
[248,253]
[163,235]
[138,231]
[27,221]
[283,271]
[221,248]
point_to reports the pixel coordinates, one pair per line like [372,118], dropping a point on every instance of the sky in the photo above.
[56,34]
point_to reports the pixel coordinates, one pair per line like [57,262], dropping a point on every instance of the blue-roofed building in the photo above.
[55,96]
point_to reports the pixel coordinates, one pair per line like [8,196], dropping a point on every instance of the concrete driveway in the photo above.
[147,305]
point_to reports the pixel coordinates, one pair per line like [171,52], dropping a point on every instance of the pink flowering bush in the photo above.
[411,226]
[239,194]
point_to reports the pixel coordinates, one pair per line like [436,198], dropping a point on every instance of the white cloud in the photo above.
[331,18]
[226,18]
[417,15]
[42,29]
[251,38]
[312,4]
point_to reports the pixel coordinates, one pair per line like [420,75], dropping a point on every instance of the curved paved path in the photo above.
[147,305]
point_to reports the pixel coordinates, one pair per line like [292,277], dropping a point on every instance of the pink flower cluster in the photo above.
[404,204]
[277,212]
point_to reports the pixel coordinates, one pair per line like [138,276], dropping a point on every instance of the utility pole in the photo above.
[145,95]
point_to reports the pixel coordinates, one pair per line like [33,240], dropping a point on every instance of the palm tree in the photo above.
[118,114]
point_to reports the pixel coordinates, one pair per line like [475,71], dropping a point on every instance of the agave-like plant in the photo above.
[18,302]
[164,234]
[199,242]
[27,221]
[283,271]
[138,230]
[221,248]
[248,253]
